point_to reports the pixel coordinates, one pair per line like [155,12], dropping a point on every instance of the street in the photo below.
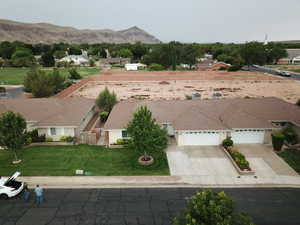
[147,206]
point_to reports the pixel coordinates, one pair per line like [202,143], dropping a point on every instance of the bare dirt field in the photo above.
[161,85]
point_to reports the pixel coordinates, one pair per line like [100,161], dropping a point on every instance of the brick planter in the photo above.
[241,172]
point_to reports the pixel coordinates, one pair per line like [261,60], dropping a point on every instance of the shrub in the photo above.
[104,116]
[277,141]
[74,75]
[156,67]
[240,160]
[68,83]
[211,208]
[227,142]
[222,68]
[290,135]
[35,137]
[188,97]
[234,68]
[49,139]
[2,90]
[66,139]
[122,141]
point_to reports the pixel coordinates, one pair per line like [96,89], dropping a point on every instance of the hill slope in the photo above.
[49,33]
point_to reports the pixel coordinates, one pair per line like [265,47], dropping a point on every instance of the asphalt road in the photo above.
[147,206]
[270,71]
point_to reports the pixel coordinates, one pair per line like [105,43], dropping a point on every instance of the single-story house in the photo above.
[53,117]
[209,122]
[75,59]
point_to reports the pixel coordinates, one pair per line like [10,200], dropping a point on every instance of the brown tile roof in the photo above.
[219,114]
[50,111]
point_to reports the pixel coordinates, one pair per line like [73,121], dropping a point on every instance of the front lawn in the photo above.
[64,160]
[292,157]
[15,76]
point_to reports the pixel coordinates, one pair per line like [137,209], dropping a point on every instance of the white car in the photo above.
[9,187]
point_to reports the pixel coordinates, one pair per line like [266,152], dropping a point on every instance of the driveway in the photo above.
[265,162]
[199,160]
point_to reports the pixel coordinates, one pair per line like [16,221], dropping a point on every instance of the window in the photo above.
[53,131]
[124,134]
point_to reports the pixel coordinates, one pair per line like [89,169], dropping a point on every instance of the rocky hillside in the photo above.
[48,33]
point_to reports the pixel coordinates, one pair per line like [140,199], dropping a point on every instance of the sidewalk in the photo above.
[160,181]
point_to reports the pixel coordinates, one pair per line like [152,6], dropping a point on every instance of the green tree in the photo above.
[23,57]
[106,100]
[254,53]
[59,54]
[74,50]
[125,53]
[190,54]
[12,132]
[42,84]
[275,52]
[48,59]
[6,50]
[138,50]
[146,136]
[211,208]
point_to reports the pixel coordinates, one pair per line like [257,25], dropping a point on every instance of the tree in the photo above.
[146,136]
[254,53]
[138,50]
[59,54]
[125,53]
[42,84]
[23,57]
[6,50]
[12,131]
[211,208]
[74,50]
[275,52]
[106,100]
[48,59]
[190,54]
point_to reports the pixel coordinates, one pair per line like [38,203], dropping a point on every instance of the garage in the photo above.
[201,138]
[248,136]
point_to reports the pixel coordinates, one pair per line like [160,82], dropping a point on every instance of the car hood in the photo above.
[4,180]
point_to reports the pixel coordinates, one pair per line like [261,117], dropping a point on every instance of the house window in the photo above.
[124,134]
[53,131]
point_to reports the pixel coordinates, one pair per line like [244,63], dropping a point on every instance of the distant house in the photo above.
[292,58]
[209,122]
[53,117]
[134,66]
[75,59]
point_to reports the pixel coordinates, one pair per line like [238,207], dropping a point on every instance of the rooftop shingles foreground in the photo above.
[217,114]
[49,111]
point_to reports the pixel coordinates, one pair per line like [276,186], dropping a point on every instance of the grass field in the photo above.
[292,157]
[64,160]
[15,76]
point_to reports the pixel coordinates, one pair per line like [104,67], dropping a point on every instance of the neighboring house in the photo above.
[292,58]
[134,66]
[53,117]
[75,59]
[209,122]
[114,61]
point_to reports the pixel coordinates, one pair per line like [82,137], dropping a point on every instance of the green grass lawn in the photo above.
[15,76]
[292,157]
[64,160]
[295,70]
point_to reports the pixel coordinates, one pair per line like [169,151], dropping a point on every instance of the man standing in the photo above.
[39,194]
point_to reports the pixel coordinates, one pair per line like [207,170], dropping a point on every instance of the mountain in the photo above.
[48,33]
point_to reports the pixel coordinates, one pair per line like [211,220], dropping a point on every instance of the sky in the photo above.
[201,21]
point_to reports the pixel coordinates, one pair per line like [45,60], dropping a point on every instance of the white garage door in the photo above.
[248,136]
[201,138]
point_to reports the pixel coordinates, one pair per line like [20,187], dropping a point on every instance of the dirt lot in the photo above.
[158,85]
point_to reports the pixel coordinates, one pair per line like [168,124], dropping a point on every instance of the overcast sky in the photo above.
[181,20]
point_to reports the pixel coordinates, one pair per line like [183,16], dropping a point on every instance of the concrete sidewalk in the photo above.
[161,181]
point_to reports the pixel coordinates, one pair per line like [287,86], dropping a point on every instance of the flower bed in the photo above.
[239,162]
[238,159]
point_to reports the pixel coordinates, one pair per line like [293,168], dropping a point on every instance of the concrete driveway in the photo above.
[265,162]
[199,160]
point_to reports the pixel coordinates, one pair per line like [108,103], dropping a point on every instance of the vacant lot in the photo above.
[64,160]
[288,90]
[15,76]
